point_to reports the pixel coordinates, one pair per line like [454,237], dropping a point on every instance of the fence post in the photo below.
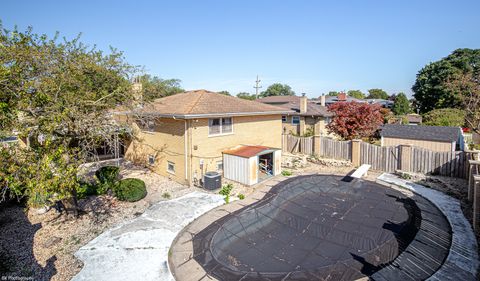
[405,158]
[356,152]
[472,170]
[476,203]
[316,145]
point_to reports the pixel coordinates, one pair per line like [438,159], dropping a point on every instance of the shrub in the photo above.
[130,190]
[107,174]
[107,177]
[86,189]
[225,191]
[286,173]
[241,196]
[166,195]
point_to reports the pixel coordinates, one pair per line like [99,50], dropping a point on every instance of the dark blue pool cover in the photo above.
[324,228]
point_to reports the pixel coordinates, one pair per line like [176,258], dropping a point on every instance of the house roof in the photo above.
[202,103]
[247,151]
[293,103]
[334,99]
[428,133]
[414,118]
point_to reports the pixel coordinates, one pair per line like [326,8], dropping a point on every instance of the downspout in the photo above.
[186,150]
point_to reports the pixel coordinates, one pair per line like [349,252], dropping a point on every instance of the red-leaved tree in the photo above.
[353,120]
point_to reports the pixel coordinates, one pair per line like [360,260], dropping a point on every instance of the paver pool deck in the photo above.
[462,262]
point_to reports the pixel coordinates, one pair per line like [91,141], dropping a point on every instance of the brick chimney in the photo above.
[342,96]
[322,100]
[137,89]
[303,103]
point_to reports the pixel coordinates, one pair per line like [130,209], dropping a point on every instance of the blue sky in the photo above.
[314,46]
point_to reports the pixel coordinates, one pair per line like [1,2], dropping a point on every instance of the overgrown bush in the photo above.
[107,177]
[130,190]
[86,189]
[225,191]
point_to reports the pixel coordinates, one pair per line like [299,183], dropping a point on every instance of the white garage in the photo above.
[251,164]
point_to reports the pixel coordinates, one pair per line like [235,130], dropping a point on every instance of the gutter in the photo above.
[208,115]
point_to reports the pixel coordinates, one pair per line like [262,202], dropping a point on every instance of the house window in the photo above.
[170,167]
[219,166]
[151,160]
[284,119]
[219,126]
[295,120]
[328,120]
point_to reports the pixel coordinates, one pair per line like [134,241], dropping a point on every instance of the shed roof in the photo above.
[202,103]
[247,151]
[428,133]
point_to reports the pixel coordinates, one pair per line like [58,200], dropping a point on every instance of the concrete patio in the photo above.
[138,249]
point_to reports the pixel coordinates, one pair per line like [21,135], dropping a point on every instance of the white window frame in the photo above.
[284,119]
[221,133]
[296,117]
[171,171]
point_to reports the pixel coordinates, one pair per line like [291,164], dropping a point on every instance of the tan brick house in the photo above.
[305,116]
[190,131]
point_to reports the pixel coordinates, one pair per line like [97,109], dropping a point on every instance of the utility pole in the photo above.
[257,82]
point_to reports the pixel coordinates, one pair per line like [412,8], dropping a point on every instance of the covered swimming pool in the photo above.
[321,227]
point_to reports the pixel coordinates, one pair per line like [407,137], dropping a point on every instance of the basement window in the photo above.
[220,126]
[219,166]
[151,160]
[295,120]
[170,167]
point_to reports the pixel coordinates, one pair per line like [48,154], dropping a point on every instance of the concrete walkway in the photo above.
[138,249]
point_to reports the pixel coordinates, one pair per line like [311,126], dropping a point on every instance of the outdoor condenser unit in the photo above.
[212,180]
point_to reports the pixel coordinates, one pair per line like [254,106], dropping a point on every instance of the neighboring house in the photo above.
[189,133]
[414,119]
[305,115]
[341,97]
[381,102]
[435,138]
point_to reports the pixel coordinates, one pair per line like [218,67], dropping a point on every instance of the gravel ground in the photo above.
[41,246]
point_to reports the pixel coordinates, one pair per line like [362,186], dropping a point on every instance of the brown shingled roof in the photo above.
[293,103]
[200,103]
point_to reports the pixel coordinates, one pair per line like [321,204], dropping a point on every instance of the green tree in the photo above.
[445,117]
[377,94]
[224,93]
[245,96]
[356,94]
[155,87]
[332,93]
[59,95]
[401,104]
[278,89]
[431,88]
[468,85]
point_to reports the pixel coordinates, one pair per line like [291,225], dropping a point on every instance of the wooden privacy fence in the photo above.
[382,158]
[451,164]
[295,144]
[335,149]
[387,159]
